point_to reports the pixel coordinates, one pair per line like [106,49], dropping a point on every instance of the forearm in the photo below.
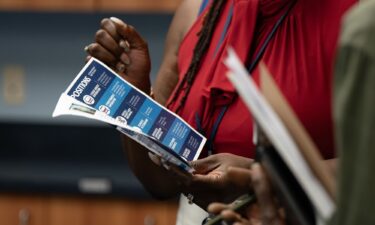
[332,165]
[156,180]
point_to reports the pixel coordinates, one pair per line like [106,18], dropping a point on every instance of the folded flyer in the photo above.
[99,93]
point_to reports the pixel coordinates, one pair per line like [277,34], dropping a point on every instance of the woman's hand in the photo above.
[121,47]
[264,212]
[210,181]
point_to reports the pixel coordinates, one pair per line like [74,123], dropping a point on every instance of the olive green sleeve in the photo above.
[354,113]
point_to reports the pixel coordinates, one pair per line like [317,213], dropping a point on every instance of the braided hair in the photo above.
[204,39]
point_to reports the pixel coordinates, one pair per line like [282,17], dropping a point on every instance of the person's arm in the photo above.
[167,76]
[210,172]
[211,181]
[156,179]
[131,60]
[265,211]
[354,113]
[332,165]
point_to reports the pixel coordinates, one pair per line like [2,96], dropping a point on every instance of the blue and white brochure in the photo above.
[99,93]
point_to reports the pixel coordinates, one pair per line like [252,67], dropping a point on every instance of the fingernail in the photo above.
[165,164]
[86,48]
[127,61]
[154,158]
[120,67]
[126,49]
[255,165]
[124,46]
[116,20]
[88,58]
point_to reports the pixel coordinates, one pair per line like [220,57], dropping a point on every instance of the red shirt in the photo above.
[300,56]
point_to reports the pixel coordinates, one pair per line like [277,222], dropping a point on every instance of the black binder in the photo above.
[298,208]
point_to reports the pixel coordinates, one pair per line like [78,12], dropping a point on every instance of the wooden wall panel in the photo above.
[91,5]
[23,210]
[138,5]
[95,211]
[64,210]
[47,5]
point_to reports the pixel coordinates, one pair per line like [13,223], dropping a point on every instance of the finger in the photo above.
[183,176]
[105,39]
[88,58]
[253,212]
[206,181]
[205,165]
[165,164]
[246,222]
[99,52]
[110,27]
[243,223]
[125,45]
[154,158]
[239,176]
[262,188]
[125,59]
[217,207]
[127,32]
[231,215]
[120,68]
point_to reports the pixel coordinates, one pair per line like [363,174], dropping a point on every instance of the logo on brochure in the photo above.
[88,99]
[104,109]
[81,86]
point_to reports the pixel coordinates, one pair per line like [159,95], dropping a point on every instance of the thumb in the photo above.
[203,166]
[217,207]
[128,33]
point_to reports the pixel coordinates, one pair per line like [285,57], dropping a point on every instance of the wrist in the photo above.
[144,86]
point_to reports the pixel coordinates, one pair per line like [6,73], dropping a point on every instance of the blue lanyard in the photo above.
[250,68]
[203,6]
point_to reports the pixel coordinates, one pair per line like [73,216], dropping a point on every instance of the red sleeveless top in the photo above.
[300,56]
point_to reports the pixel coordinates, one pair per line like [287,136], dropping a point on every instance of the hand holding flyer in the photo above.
[99,93]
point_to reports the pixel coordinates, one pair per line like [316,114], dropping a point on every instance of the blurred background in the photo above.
[67,170]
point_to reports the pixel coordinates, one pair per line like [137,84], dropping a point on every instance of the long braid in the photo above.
[205,35]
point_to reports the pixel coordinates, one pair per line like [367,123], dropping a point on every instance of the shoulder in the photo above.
[358,29]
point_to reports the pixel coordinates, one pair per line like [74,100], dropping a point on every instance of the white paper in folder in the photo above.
[279,135]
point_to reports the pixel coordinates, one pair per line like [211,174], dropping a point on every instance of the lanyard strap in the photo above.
[250,68]
[269,37]
[203,6]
